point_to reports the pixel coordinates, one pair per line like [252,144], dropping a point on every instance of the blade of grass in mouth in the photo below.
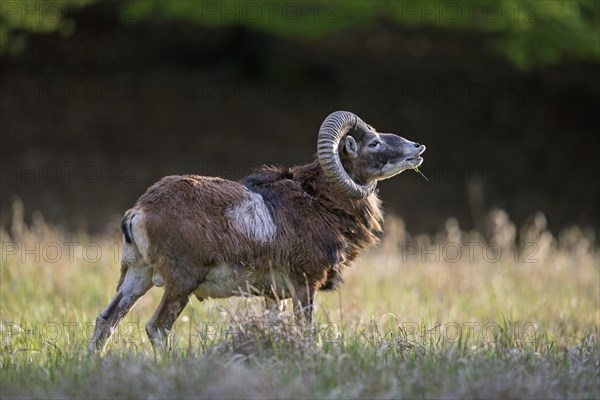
[416,168]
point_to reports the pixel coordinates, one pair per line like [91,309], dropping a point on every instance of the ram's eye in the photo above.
[374,144]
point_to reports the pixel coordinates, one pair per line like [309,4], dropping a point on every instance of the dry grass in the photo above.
[414,319]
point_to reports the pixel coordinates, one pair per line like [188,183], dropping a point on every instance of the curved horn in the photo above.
[333,129]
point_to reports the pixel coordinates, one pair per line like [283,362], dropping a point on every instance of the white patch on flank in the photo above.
[252,217]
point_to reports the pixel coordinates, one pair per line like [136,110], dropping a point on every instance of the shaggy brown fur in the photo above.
[318,231]
[280,233]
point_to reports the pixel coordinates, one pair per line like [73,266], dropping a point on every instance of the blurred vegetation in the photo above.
[528,32]
[520,321]
[39,16]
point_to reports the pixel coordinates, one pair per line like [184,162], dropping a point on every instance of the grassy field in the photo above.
[443,316]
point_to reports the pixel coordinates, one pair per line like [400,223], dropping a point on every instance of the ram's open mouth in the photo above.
[414,161]
[397,165]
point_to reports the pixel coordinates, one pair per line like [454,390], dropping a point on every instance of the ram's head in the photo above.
[354,156]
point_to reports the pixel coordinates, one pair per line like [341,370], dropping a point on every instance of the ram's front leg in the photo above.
[274,305]
[133,284]
[303,301]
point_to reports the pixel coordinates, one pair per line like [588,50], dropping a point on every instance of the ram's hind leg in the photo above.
[133,284]
[159,326]
[181,280]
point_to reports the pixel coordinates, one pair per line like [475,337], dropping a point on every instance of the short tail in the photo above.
[126,228]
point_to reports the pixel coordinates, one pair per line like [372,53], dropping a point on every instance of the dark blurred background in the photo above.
[101,99]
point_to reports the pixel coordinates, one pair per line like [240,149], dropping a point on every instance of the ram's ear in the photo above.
[350,146]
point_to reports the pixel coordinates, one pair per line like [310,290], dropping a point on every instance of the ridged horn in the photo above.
[333,129]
